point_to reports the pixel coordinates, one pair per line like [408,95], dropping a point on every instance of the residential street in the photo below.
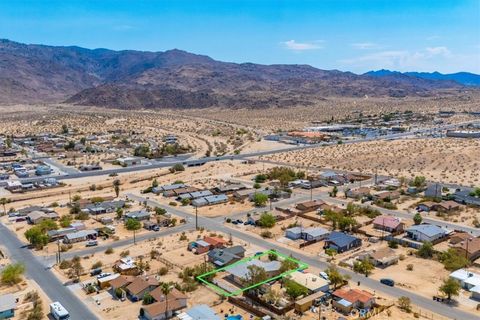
[420,301]
[36,271]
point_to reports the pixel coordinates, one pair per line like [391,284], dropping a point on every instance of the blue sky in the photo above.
[349,35]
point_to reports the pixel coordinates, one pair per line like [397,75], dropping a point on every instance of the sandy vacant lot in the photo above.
[447,160]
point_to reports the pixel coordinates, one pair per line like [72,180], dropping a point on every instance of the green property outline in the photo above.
[301,266]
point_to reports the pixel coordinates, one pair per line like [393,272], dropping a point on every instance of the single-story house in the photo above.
[105,282]
[139,215]
[215,242]
[35,217]
[342,241]
[458,237]
[199,312]
[210,200]
[293,233]
[54,235]
[158,310]
[175,294]
[139,287]
[433,191]
[239,273]
[309,206]
[129,161]
[7,306]
[79,236]
[388,223]
[346,299]
[120,282]
[310,281]
[443,206]
[382,257]
[469,248]
[229,188]
[358,193]
[195,195]
[426,232]
[308,234]
[307,302]
[315,233]
[126,266]
[466,278]
[243,194]
[199,246]
[387,195]
[226,256]
[464,197]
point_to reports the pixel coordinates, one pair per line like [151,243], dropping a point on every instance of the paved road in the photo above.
[50,260]
[420,301]
[403,214]
[201,161]
[49,283]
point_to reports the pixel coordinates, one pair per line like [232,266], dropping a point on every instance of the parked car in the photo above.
[103,275]
[92,243]
[387,282]
[324,275]
[96,272]
[156,228]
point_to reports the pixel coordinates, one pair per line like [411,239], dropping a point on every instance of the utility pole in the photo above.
[58,248]
[196,217]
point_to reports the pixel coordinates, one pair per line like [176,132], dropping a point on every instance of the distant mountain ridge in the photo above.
[132,79]
[464,78]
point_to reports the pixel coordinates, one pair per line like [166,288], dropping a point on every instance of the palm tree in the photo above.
[3,202]
[166,289]
[116,187]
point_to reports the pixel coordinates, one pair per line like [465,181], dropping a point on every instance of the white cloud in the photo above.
[428,59]
[365,45]
[302,46]
[433,51]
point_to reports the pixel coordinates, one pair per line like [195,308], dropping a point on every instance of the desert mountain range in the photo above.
[131,79]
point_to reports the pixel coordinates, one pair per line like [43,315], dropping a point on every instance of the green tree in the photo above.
[364,267]
[47,225]
[450,287]
[160,211]
[147,299]
[119,213]
[294,289]
[452,260]
[177,167]
[256,185]
[116,187]
[404,304]
[12,274]
[3,202]
[255,274]
[335,277]
[267,220]
[65,221]
[166,289]
[417,218]
[260,199]
[154,183]
[75,209]
[418,181]
[133,225]
[426,250]
[334,192]
[37,237]
[287,265]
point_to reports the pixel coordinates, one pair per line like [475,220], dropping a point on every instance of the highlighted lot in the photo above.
[209,275]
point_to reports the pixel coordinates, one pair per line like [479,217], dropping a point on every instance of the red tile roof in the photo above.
[353,295]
